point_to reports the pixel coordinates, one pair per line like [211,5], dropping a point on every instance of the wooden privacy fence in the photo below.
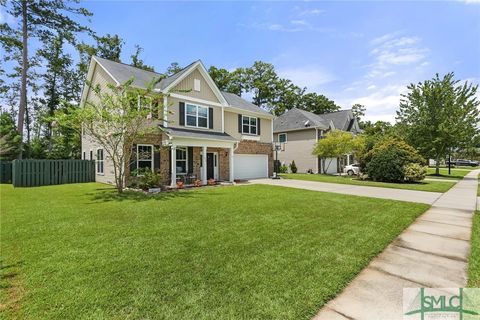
[33,173]
[5,171]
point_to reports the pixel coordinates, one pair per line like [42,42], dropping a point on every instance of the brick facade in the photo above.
[244,147]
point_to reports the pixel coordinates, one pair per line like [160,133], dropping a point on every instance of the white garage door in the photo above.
[250,166]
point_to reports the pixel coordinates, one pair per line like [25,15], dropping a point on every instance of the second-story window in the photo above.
[196,116]
[249,125]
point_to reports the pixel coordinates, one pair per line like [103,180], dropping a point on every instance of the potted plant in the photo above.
[211,182]
[198,183]
[180,185]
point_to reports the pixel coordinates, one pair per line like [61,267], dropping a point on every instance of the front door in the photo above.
[210,166]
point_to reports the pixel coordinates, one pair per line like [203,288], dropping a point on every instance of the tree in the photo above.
[137,62]
[261,80]
[227,81]
[287,96]
[114,121]
[10,139]
[109,47]
[39,19]
[173,68]
[440,115]
[317,104]
[337,144]
[358,111]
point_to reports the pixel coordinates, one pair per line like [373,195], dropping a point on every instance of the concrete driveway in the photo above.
[374,192]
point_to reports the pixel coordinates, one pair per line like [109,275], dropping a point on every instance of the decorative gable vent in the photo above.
[196,84]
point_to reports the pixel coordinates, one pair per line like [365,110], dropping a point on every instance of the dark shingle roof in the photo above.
[298,119]
[295,119]
[208,135]
[238,102]
[123,72]
[341,119]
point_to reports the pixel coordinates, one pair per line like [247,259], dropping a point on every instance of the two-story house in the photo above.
[206,133]
[298,131]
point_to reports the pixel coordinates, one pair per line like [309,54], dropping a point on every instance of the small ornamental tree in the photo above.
[10,139]
[293,167]
[114,119]
[337,144]
[388,160]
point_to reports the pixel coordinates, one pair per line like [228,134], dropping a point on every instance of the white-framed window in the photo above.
[282,137]
[99,161]
[196,116]
[144,156]
[196,84]
[182,162]
[249,125]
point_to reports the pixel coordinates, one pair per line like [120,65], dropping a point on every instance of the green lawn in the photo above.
[474,261]
[433,186]
[244,252]
[454,173]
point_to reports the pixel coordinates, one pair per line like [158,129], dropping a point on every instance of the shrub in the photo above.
[388,158]
[148,179]
[293,167]
[415,172]
[283,169]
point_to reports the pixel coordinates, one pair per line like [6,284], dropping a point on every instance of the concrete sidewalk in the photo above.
[374,192]
[432,252]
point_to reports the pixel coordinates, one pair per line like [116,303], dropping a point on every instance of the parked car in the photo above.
[466,163]
[352,169]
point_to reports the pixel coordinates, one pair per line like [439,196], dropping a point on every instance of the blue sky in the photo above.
[365,52]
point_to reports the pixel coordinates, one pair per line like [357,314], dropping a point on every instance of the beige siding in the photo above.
[231,127]
[205,93]
[299,147]
[99,77]
[174,115]
[108,175]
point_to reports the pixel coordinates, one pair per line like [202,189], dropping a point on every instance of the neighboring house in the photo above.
[207,133]
[298,131]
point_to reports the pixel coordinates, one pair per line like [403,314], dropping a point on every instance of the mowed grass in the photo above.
[474,261]
[432,186]
[244,252]
[454,173]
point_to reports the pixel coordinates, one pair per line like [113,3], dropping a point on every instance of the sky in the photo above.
[350,51]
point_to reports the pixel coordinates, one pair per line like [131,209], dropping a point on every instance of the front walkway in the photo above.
[432,252]
[374,192]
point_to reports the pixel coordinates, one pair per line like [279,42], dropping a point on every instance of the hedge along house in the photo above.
[206,133]
[298,131]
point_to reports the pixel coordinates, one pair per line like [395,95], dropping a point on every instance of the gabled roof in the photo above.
[342,119]
[121,72]
[296,119]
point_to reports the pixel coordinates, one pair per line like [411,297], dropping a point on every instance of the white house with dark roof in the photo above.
[206,134]
[298,130]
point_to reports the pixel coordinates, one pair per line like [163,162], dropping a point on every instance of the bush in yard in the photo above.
[388,158]
[293,167]
[283,169]
[145,179]
[415,172]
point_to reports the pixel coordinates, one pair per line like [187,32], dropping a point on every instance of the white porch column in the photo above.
[230,164]
[173,165]
[204,165]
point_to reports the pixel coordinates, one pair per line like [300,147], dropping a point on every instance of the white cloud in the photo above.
[311,12]
[470,1]
[312,77]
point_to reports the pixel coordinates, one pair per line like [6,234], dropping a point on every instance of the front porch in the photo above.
[189,164]
[199,156]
